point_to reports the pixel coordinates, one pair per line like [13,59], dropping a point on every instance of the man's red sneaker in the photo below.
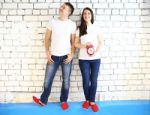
[38,101]
[86,104]
[94,107]
[64,105]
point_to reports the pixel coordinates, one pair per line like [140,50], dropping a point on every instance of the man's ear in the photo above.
[69,12]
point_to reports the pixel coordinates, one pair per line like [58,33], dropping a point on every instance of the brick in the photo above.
[33,1]
[26,83]
[132,1]
[4,12]
[31,18]
[115,12]
[2,1]
[37,12]
[135,82]
[137,12]
[25,6]
[28,12]
[116,5]
[145,5]
[32,89]
[20,12]
[102,18]
[100,5]
[41,0]
[117,18]
[34,24]
[11,83]
[12,12]
[14,18]
[130,12]
[2,89]
[83,5]
[145,12]
[2,72]
[24,1]
[44,12]
[42,6]
[39,89]
[110,1]
[117,0]
[131,5]
[10,5]
[95,1]
[145,18]
[17,1]
[2,18]
[132,18]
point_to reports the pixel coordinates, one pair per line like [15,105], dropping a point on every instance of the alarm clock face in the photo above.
[90,51]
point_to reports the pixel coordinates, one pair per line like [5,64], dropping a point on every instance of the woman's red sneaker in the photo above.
[94,107]
[86,104]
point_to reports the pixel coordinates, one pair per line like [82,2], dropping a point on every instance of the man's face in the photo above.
[64,10]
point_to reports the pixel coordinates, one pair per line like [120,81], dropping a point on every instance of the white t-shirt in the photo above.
[92,36]
[61,36]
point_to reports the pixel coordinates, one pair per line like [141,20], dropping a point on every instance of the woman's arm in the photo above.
[72,44]
[100,42]
[78,44]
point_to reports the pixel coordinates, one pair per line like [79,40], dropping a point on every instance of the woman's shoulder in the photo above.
[95,26]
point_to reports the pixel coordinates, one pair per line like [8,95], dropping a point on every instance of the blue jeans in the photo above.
[89,70]
[51,70]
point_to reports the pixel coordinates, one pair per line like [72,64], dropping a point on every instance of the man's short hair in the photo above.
[70,6]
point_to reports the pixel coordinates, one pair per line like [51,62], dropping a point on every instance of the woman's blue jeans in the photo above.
[89,70]
[51,70]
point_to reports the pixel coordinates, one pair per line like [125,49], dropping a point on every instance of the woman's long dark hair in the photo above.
[83,26]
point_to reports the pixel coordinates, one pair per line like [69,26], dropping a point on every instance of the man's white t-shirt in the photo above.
[61,36]
[92,36]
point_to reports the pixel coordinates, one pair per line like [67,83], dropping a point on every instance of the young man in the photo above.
[59,48]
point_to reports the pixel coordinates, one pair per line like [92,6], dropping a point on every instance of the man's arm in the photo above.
[47,42]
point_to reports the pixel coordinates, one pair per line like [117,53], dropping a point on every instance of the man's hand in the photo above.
[68,59]
[49,59]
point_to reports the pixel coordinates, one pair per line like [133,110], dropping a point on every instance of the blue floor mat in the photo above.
[106,108]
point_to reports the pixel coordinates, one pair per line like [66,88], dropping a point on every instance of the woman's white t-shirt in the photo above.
[92,36]
[61,36]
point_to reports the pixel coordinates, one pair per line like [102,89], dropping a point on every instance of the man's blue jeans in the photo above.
[51,70]
[89,70]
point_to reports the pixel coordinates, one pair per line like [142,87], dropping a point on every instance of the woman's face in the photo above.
[87,16]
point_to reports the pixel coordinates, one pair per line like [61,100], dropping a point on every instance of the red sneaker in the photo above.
[38,101]
[64,105]
[86,104]
[94,107]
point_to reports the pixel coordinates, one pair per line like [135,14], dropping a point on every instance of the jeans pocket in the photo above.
[55,58]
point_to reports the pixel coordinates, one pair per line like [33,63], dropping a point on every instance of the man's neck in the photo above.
[63,18]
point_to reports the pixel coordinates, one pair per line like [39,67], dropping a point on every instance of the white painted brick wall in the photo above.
[125,68]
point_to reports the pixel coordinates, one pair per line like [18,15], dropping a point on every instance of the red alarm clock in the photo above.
[90,49]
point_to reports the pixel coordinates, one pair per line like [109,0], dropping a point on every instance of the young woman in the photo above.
[89,40]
